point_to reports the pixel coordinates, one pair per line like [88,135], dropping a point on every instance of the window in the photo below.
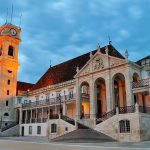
[6,103]
[11,51]
[9,71]
[66,129]
[7,92]
[124,126]
[30,129]
[53,128]
[58,96]
[6,114]
[6,124]
[71,93]
[145,62]
[8,82]
[38,129]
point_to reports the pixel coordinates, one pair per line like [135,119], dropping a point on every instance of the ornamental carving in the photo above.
[98,63]
[86,71]
[113,63]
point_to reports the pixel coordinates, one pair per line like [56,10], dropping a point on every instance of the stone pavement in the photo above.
[38,143]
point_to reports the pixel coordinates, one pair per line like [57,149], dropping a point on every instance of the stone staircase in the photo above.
[83,136]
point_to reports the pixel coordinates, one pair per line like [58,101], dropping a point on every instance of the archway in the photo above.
[119,90]
[100,89]
[85,100]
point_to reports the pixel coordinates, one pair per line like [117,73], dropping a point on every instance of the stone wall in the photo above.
[111,127]
[62,128]
[144,127]
[14,131]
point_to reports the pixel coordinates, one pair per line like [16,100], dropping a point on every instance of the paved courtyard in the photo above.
[37,143]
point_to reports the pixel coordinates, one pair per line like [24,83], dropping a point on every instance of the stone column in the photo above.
[92,99]
[64,109]
[26,117]
[128,85]
[31,117]
[20,116]
[109,95]
[42,116]
[36,115]
[55,109]
[78,100]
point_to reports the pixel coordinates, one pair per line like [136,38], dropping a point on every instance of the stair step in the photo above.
[83,135]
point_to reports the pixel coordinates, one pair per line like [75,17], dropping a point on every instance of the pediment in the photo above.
[99,62]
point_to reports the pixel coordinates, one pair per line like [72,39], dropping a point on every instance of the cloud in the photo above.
[63,29]
[135,12]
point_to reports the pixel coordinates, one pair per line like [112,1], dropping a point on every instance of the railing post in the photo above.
[117,110]
[59,116]
[137,108]
[76,124]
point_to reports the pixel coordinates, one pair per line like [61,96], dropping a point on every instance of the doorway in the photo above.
[22,131]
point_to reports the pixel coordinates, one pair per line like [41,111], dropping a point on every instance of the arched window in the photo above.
[11,51]
[124,126]
[6,114]
[53,128]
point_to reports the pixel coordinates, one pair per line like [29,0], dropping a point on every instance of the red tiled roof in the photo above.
[23,87]
[66,71]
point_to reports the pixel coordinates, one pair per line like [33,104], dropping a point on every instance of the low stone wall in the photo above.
[63,127]
[34,129]
[144,126]
[14,131]
[111,127]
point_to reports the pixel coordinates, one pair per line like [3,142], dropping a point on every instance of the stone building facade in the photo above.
[102,90]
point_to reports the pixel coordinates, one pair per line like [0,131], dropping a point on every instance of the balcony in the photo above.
[141,85]
[51,101]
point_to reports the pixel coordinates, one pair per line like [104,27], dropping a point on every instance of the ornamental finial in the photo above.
[106,50]
[77,69]
[98,48]
[126,54]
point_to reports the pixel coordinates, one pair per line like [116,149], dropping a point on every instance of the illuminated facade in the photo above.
[9,46]
[101,90]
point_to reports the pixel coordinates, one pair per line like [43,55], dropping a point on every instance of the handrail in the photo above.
[126,109]
[49,101]
[67,119]
[144,109]
[9,126]
[105,116]
[141,83]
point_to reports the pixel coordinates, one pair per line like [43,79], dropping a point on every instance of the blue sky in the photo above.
[59,30]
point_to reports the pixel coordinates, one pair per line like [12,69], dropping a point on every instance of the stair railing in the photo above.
[67,119]
[9,126]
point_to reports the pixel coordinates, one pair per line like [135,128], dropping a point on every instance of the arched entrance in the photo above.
[85,100]
[100,89]
[119,90]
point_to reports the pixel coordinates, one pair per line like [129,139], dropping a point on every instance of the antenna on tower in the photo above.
[50,64]
[6,15]
[20,20]
[109,40]
[11,13]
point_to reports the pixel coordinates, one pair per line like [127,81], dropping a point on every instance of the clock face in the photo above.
[13,32]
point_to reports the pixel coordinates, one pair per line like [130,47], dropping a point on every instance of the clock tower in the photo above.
[9,46]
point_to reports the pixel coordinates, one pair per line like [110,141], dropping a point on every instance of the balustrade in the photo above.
[141,83]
